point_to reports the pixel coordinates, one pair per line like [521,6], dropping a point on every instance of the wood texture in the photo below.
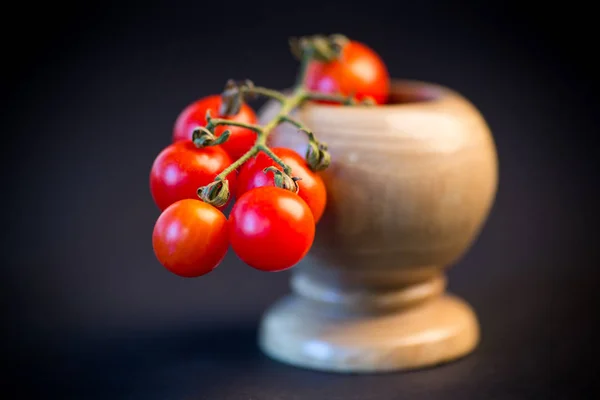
[409,189]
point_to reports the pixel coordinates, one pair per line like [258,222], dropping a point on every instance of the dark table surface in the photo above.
[537,343]
[89,313]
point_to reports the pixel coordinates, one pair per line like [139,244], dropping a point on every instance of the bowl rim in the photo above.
[420,94]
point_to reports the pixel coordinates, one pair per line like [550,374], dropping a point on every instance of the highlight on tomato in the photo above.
[359,71]
[181,168]
[271,229]
[190,238]
[311,186]
[194,115]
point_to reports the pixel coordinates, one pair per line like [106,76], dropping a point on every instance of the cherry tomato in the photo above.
[181,168]
[359,71]
[240,139]
[312,188]
[271,229]
[190,238]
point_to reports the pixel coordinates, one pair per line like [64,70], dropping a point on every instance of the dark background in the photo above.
[91,92]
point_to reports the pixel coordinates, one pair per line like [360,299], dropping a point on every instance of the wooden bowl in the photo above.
[409,189]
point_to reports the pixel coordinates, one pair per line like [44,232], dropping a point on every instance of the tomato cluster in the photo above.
[269,227]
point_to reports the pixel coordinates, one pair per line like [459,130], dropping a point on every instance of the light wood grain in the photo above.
[409,189]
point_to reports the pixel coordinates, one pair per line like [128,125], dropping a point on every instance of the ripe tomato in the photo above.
[359,71]
[271,229]
[240,139]
[190,238]
[312,188]
[181,168]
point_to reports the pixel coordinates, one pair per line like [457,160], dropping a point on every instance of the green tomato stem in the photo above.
[300,127]
[286,169]
[288,104]
[238,163]
[306,59]
[214,122]
[262,91]
[337,98]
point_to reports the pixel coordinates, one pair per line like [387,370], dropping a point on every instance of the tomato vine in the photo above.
[306,49]
[218,148]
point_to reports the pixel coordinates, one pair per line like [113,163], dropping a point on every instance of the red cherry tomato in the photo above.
[312,188]
[359,71]
[181,168]
[190,238]
[240,139]
[271,229]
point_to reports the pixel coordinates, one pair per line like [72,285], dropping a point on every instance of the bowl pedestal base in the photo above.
[356,332]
